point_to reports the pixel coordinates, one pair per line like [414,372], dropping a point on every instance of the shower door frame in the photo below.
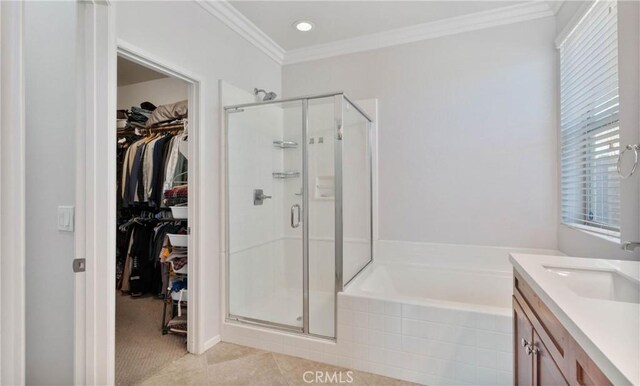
[339,100]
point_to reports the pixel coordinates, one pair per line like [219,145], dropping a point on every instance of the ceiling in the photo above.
[130,73]
[339,20]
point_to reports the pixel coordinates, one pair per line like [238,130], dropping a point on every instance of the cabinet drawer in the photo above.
[551,332]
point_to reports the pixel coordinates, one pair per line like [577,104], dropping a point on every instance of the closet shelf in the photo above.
[178,240]
[285,144]
[284,175]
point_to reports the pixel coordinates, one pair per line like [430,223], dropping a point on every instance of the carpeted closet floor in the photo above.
[141,349]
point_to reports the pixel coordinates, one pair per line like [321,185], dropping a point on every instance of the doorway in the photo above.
[152,242]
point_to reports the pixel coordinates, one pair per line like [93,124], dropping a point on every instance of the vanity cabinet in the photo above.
[534,365]
[544,353]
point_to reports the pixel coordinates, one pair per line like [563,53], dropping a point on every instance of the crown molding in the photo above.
[555,5]
[240,24]
[244,27]
[573,22]
[471,22]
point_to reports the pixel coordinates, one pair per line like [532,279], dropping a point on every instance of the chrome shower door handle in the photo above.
[293,209]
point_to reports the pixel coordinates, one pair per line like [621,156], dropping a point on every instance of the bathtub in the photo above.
[434,314]
[431,324]
[475,290]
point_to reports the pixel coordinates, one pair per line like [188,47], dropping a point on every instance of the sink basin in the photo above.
[599,284]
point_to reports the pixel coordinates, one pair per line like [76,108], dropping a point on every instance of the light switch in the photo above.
[65,218]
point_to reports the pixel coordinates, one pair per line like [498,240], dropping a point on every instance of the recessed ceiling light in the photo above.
[303,26]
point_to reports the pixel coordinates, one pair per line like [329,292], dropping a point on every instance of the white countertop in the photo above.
[608,331]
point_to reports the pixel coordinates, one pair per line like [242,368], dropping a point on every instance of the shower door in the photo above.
[298,219]
[265,214]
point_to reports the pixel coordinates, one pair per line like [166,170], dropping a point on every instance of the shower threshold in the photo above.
[281,310]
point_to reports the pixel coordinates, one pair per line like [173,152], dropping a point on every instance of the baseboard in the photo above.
[211,342]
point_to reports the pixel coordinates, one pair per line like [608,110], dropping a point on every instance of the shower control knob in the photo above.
[259,197]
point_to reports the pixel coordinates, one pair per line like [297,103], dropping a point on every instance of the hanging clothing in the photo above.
[150,166]
[142,268]
[175,173]
[146,166]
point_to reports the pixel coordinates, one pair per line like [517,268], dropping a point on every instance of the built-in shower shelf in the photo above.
[285,144]
[283,175]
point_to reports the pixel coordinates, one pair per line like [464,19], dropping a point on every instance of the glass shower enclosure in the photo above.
[298,209]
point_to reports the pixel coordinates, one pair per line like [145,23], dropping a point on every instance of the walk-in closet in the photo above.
[152,221]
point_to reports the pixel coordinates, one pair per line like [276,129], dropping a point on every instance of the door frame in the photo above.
[12,194]
[98,49]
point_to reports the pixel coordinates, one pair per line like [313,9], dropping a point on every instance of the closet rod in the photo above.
[177,126]
[147,130]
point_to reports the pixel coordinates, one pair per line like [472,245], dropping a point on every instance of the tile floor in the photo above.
[230,364]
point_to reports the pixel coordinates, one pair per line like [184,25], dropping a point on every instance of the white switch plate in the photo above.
[65,218]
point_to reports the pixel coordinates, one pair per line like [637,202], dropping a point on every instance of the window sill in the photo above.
[612,239]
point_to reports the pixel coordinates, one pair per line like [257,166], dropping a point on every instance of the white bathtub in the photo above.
[431,324]
[471,290]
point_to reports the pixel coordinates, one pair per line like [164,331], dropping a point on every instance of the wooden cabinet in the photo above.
[544,352]
[545,370]
[533,363]
[523,336]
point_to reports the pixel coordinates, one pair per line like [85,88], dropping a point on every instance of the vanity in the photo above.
[576,321]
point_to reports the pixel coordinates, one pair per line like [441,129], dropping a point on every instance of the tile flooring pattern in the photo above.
[230,364]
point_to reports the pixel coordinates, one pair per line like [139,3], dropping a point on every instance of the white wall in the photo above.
[157,91]
[467,133]
[50,170]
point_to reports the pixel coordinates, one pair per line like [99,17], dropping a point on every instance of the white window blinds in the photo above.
[589,133]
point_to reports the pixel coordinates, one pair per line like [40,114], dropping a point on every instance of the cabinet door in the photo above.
[523,338]
[545,370]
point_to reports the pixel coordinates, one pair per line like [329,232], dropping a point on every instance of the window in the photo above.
[589,132]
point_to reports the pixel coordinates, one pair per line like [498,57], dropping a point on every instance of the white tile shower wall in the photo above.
[291,161]
[252,160]
[321,171]
[428,345]
[321,260]
[263,265]
[258,265]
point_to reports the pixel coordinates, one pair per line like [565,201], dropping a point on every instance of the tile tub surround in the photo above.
[426,344]
[230,364]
